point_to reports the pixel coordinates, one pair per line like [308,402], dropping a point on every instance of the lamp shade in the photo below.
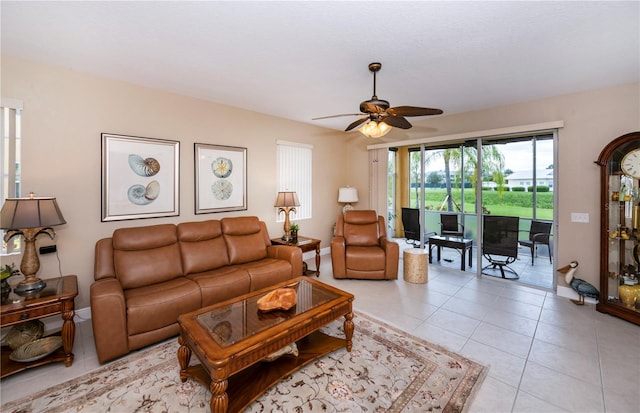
[32,212]
[287,199]
[374,129]
[347,195]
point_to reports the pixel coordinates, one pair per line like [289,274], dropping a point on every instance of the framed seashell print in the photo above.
[140,177]
[221,178]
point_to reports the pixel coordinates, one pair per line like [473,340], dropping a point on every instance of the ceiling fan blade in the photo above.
[337,116]
[413,111]
[357,123]
[396,122]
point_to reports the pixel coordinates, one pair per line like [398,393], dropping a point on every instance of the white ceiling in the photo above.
[300,60]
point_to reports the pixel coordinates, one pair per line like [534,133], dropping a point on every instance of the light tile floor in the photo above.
[544,353]
[540,274]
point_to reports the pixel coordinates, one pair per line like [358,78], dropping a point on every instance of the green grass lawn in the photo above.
[508,203]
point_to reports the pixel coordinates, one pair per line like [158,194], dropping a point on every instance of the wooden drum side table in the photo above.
[56,298]
[306,244]
[415,267]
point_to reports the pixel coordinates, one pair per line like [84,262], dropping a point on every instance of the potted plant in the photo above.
[6,272]
[294,232]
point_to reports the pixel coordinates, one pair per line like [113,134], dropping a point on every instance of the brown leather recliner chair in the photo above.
[360,248]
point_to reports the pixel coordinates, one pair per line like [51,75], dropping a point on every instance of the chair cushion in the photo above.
[365,258]
[361,228]
[361,234]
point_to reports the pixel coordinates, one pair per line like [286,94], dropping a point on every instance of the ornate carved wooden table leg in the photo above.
[219,398]
[184,357]
[318,260]
[68,334]
[348,329]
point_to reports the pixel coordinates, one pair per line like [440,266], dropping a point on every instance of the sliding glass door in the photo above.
[503,176]
[518,181]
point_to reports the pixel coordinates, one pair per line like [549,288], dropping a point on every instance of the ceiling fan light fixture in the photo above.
[374,129]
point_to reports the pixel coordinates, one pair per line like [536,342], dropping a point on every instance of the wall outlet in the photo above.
[48,249]
[582,217]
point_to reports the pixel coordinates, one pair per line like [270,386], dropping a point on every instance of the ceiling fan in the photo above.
[381,117]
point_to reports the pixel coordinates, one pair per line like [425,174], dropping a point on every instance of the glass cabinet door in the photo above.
[620,232]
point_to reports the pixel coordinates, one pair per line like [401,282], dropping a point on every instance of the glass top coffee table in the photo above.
[231,340]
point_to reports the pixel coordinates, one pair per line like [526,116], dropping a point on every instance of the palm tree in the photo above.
[492,163]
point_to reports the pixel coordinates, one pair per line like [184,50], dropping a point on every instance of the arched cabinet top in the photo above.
[615,150]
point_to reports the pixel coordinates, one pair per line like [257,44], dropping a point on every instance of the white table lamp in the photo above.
[347,196]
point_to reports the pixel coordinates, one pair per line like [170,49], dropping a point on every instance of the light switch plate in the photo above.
[582,217]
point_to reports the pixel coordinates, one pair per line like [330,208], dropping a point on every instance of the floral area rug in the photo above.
[388,370]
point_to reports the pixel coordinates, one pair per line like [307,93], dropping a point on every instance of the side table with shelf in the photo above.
[56,298]
[306,244]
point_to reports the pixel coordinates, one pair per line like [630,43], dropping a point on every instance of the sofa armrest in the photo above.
[338,257]
[288,253]
[109,320]
[392,257]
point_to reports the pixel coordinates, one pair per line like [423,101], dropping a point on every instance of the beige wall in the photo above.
[591,120]
[66,111]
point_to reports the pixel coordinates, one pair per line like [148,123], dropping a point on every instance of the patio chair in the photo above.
[500,244]
[539,234]
[411,225]
[449,225]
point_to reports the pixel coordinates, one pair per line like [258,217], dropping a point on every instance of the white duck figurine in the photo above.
[580,286]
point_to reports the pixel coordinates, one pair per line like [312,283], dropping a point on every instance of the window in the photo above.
[10,114]
[295,174]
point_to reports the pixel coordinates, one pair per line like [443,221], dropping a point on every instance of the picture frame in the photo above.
[140,177]
[220,178]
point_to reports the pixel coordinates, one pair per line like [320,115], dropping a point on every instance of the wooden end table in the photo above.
[306,244]
[230,339]
[56,298]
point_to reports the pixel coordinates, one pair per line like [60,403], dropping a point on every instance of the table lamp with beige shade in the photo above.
[30,217]
[286,202]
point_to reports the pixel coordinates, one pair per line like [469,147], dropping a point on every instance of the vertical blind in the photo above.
[10,113]
[295,174]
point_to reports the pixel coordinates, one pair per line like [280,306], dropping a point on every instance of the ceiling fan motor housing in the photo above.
[381,104]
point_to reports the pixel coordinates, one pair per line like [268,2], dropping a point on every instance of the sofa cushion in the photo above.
[202,246]
[245,239]
[267,272]
[222,284]
[159,305]
[146,255]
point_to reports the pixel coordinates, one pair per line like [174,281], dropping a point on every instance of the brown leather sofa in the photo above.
[145,277]
[361,249]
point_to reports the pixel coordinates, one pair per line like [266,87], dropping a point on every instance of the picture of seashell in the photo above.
[141,195]
[144,167]
[222,167]
[222,189]
[153,190]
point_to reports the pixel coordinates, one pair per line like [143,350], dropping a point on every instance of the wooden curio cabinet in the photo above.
[620,229]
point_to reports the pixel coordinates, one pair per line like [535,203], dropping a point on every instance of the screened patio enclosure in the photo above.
[499,176]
